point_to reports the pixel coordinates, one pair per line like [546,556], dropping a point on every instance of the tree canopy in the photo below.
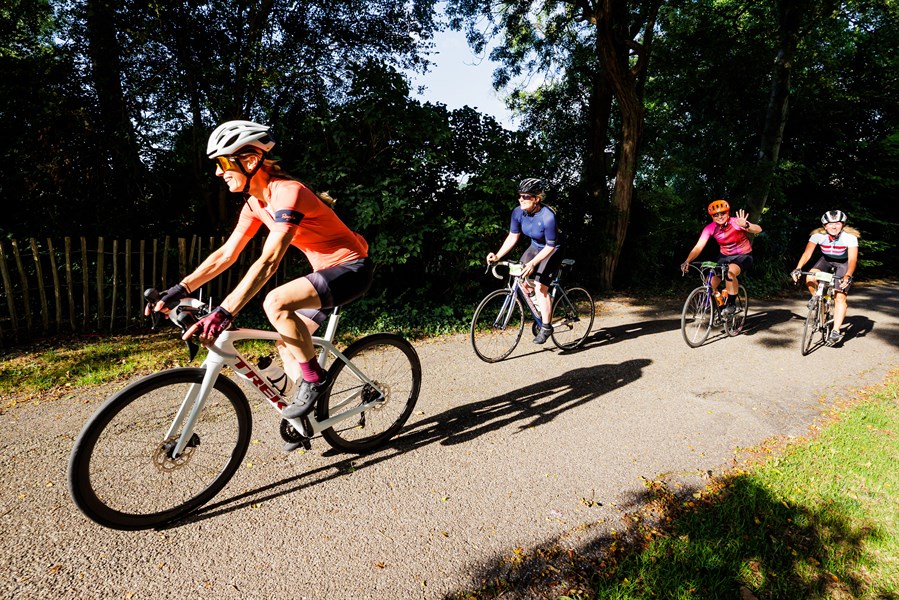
[639,113]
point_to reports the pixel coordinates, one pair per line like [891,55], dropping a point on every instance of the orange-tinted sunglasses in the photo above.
[228,163]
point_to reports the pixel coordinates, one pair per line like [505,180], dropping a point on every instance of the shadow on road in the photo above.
[708,551]
[530,406]
[606,336]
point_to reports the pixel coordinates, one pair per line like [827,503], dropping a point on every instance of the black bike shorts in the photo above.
[838,268]
[548,267]
[339,285]
[744,261]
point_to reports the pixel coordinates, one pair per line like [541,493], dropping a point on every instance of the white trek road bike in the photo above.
[169,442]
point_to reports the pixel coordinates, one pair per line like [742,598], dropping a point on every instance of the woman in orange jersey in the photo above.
[294,215]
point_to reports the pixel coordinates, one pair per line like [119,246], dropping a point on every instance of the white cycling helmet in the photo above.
[833,216]
[231,136]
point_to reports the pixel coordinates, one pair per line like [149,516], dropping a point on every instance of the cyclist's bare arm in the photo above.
[274,249]
[850,264]
[697,249]
[508,244]
[217,262]
[806,255]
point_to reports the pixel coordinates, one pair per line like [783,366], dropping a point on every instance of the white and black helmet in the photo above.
[833,216]
[532,185]
[231,136]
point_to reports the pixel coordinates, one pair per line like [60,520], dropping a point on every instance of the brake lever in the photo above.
[152,296]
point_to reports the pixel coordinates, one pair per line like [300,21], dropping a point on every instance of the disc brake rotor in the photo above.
[163,460]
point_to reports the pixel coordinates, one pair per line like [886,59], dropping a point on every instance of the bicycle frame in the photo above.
[222,353]
[708,270]
[824,293]
[514,284]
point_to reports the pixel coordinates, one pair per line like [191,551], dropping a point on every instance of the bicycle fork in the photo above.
[194,401]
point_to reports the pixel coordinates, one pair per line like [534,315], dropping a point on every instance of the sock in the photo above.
[312,371]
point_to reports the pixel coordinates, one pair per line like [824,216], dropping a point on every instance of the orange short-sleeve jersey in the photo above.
[318,231]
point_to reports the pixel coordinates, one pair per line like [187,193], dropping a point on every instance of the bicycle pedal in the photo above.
[291,446]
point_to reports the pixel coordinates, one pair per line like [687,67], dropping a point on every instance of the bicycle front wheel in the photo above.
[497,326]
[392,365]
[733,323]
[572,319]
[696,318]
[812,325]
[122,473]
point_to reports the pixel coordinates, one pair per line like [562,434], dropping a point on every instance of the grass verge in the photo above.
[818,519]
[815,518]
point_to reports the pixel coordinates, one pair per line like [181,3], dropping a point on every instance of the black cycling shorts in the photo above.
[339,285]
[548,267]
[838,268]
[744,261]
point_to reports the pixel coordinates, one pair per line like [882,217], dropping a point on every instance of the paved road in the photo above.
[497,461]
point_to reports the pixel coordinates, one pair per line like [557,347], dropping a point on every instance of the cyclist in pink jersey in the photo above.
[736,251]
[295,216]
[839,255]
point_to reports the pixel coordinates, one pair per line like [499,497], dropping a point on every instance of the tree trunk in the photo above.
[791,17]
[614,43]
[121,139]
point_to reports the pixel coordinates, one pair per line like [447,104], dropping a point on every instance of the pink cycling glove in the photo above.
[214,323]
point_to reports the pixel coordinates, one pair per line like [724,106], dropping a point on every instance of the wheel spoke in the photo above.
[497,326]
[393,366]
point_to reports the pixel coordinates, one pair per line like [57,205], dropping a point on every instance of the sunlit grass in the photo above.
[820,520]
[65,363]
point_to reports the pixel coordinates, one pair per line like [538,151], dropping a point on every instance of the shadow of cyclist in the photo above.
[530,406]
[607,336]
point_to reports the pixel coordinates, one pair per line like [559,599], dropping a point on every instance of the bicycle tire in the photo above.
[826,321]
[390,362]
[120,474]
[572,319]
[810,328]
[733,324]
[497,326]
[696,317]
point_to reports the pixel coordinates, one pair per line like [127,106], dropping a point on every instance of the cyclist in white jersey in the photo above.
[839,254]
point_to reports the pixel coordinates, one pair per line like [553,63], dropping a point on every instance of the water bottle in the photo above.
[276,376]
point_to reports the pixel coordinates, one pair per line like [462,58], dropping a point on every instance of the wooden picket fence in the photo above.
[98,285]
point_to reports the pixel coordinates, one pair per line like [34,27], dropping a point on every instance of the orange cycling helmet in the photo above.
[718,206]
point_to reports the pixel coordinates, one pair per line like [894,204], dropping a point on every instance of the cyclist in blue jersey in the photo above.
[543,257]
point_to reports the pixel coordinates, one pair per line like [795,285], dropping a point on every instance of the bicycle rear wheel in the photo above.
[733,323]
[572,318]
[812,325]
[497,326]
[392,364]
[696,317]
[121,471]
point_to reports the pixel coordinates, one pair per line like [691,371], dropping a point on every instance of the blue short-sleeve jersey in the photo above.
[541,227]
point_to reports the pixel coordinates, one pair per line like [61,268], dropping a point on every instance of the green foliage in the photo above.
[431,189]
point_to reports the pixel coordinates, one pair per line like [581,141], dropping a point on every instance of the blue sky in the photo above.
[460,78]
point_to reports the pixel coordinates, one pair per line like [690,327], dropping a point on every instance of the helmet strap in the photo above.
[249,176]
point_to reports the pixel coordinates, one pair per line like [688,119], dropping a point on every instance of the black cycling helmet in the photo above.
[532,185]
[833,216]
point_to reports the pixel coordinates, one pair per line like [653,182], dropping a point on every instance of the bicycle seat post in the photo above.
[330,333]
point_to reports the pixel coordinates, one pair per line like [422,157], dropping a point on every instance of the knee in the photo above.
[274,305]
